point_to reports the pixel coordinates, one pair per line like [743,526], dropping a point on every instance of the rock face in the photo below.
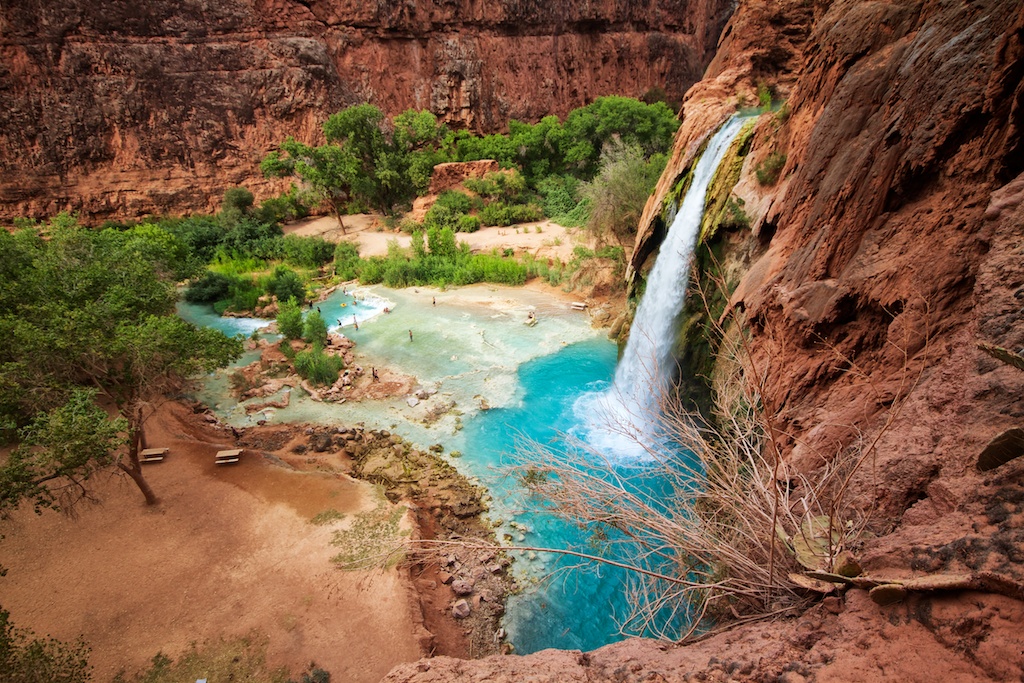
[887,250]
[119,112]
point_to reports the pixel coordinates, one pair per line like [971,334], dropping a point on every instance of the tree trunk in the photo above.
[134,468]
[337,214]
[135,472]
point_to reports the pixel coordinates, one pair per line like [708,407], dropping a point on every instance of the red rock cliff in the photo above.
[890,247]
[121,109]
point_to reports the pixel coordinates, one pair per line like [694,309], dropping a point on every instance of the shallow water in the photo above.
[472,345]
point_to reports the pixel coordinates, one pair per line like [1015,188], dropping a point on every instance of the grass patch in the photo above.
[326,517]
[243,659]
[372,539]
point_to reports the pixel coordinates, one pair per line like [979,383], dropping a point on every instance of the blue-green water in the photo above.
[582,608]
[545,381]
[343,311]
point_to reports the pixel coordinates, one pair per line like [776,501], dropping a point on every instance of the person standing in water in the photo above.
[410,335]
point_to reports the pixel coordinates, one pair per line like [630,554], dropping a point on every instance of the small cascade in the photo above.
[623,420]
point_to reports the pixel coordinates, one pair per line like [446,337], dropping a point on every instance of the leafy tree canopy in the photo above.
[89,324]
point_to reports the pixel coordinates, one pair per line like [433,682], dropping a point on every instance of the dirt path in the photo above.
[226,552]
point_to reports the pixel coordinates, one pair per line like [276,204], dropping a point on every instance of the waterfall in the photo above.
[623,420]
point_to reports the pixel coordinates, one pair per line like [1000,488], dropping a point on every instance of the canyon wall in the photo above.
[866,278]
[117,109]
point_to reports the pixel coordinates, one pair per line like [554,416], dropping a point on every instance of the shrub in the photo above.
[469,223]
[733,214]
[560,195]
[620,190]
[764,95]
[289,319]
[346,260]
[501,214]
[318,367]
[249,236]
[235,206]
[308,252]
[286,284]
[209,288]
[245,295]
[458,202]
[201,234]
[314,329]
[768,171]
[440,216]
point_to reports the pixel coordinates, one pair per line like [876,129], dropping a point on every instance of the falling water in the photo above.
[623,419]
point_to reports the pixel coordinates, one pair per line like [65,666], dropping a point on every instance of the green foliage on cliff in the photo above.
[769,170]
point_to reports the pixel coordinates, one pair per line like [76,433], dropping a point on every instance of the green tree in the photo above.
[286,284]
[235,206]
[327,172]
[84,311]
[346,260]
[590,128]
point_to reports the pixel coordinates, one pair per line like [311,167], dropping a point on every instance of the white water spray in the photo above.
[624,419]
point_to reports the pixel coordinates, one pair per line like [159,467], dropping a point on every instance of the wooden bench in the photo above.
[229,456]
[153,454]
[579,306]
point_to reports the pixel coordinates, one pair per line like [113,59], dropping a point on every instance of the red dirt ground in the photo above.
[227,551]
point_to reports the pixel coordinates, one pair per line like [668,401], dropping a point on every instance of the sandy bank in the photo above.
[542,238]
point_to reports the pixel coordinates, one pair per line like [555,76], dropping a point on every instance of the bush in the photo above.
[734,215]
[620,190]
[440,216]
[318,367]
[314,330]
[201,234]
[252,237]
[308,252]
[458,202]
[235,206]
[346,260]
[209,288]
[768,171]
[468,223]
[244,296]
[560,195]
[289,319]
[286,284]
[501,214]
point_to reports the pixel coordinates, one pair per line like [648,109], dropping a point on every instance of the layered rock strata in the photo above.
[117,111]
